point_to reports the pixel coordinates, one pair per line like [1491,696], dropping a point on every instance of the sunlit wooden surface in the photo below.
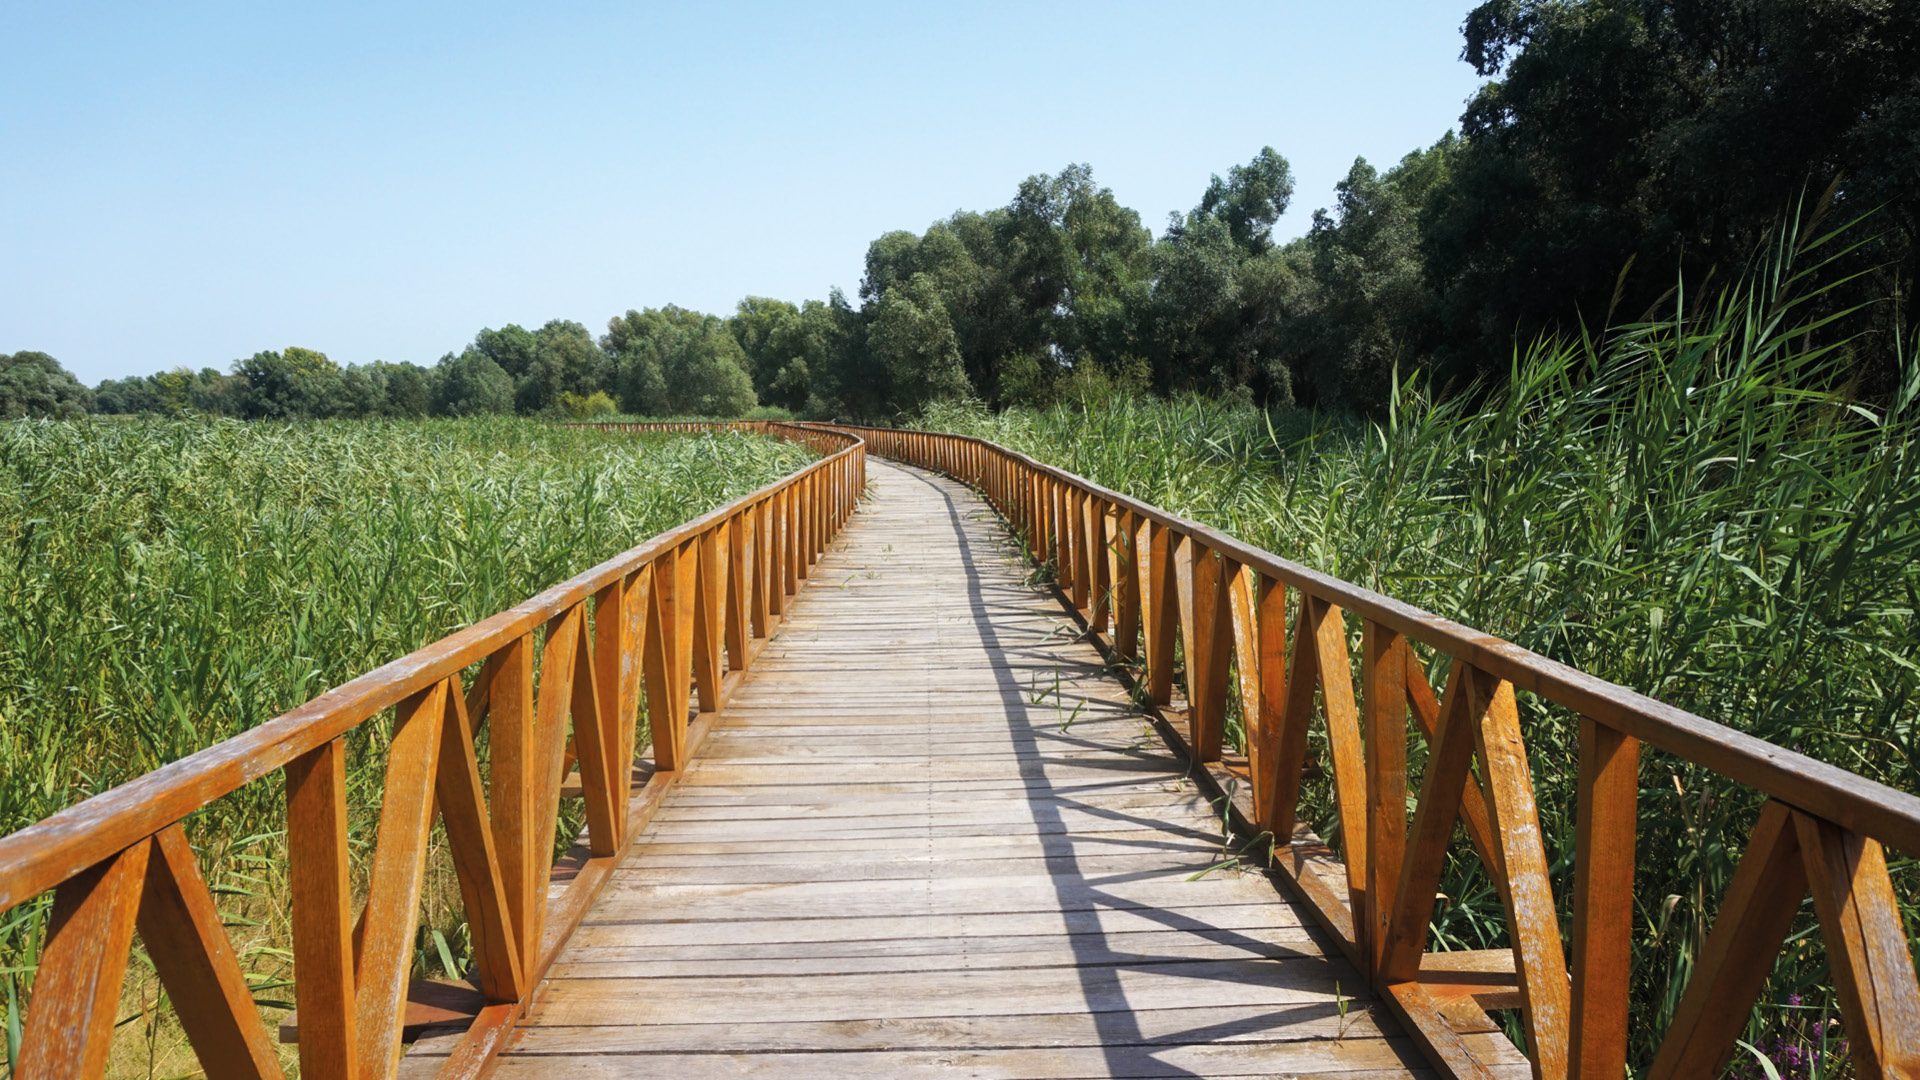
[931,833]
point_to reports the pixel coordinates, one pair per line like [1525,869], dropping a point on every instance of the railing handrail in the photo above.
[1885,813]
[64,844]
[1142,579]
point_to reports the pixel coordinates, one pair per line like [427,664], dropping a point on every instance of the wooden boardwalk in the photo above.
[929,836]
[917,828]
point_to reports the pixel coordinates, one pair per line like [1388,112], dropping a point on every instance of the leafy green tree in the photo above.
[1670,135]
[172,393]
[1054,279]
[1222,295]
[565,360]
[405,390]
[216,394]
[1077,266]
[913,340]
[119,397]
[1365,310]
[1250,199]
[512,347]
[295,384]
[470,384]
[34,384]
[674,362]
[785,346]
[595,406]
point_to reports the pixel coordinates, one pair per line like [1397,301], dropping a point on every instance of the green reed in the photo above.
[1694,506]
[165,585]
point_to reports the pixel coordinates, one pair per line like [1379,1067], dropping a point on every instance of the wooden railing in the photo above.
[1144,580]
[676,618]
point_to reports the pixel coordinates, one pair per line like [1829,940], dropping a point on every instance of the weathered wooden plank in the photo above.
[383,938]
[938,810]
[70,1023]
[461,798]
[1606,822]
[191,953]
[1866,947]
[322,925]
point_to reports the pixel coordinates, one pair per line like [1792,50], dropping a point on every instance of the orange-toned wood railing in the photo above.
[1145,580]
[560,679]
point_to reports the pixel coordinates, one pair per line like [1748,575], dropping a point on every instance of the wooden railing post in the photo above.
[1383,668]
[1266,751]
[1205,626]
[1126,587]
[499,968]
[76,994]
[323,986]
[1159,609]
[1605,824]
[510,735]
[383,936]
[196,964]
[739,541]
[1061,513]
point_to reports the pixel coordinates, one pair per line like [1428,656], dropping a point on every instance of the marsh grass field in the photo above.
[165,585]
[1701,506]
[1697,507]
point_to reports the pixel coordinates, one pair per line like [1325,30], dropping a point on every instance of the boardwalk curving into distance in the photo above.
[931,835]
[898,819]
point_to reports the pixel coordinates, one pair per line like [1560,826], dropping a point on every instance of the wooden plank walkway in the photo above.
[931,836]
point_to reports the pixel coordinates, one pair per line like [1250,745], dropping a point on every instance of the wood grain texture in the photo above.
[1383,674]
[1531,912]
[383,938]
[1607,821]
[323,987]
[1866,947]
[883,919]
[476,860]
[76,995]
[1768,887]
[194,959]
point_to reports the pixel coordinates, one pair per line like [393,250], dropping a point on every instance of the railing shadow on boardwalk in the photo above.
[1098,963]
[678,620]
[1277,637]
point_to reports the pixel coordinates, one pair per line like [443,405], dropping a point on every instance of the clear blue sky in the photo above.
[185,184]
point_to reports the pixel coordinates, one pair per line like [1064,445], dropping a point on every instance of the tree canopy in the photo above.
[1614,145]
[34,384]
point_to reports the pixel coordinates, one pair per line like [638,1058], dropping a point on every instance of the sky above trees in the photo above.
[188,186]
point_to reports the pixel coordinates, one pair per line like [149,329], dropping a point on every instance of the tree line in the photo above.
[1615,146]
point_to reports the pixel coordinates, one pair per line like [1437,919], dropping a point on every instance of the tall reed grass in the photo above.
[1695,506]
[168,584]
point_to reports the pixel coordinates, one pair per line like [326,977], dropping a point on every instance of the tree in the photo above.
[471,384]
[295,384]
[674,362]
[34,384]
[1250,199]
[1669,134]
[1222,296]
[913,339]
[595,406]
[1366,310]
[785,346]
[405,390]
[512,347]
[564,360]
[217,394]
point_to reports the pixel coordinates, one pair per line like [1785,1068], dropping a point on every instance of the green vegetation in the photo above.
[34,384]
[168,584]
[1667,506]
[1615,143]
